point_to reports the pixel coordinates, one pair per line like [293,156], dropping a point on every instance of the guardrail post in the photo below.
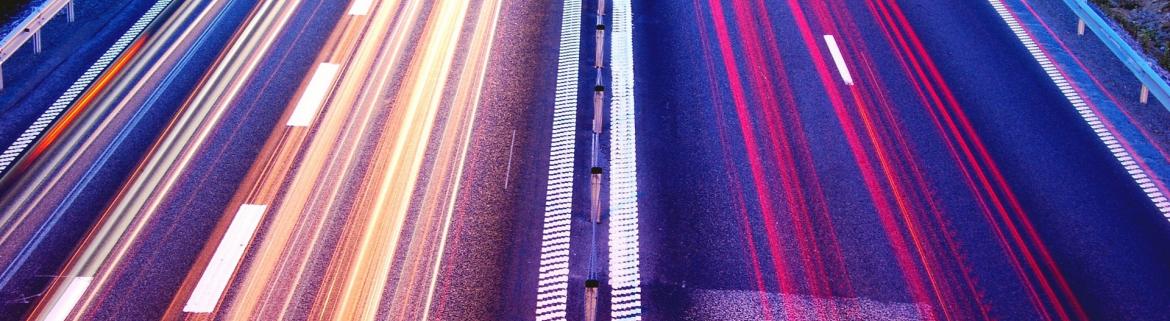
[599,52]
[69,11]
[591,286]
[1080,27]
[595,195]
[37,41]
[1145,96]
[1135,61]
[598,106]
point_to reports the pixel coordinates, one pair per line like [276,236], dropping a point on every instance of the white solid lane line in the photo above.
[625,279]
[223,263]
[839,59]
[314,95]
[552,285]
[73,290]
[360,7]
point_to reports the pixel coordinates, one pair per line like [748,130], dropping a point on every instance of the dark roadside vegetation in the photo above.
[10,8]
[1147,21]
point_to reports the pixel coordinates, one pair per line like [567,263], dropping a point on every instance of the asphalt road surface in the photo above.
[441,160]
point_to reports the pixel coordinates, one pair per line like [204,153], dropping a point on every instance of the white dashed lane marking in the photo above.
[227,257]
[838,59]
[314,95]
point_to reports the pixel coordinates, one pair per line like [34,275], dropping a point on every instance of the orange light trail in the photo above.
[80,106]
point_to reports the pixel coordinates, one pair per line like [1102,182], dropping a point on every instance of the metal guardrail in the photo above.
[1132,58]
[30,28]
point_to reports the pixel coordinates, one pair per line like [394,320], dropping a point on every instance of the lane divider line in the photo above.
[835,51]
[226,259]
[61,309]
[553,279]
[625,280]
[360,7]
[314,95]
[50,115]
[1135,171]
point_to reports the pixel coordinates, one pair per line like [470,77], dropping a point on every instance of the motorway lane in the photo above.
[869,164]
[795,195]
[1108,244]
[50,209]
[334,235]
[147,272]
[491,239]
[34,80]
[126,214]
[331,148]
[1100,74]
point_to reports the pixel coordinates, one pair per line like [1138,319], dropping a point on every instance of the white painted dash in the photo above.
[223,263]
[360,7]
[314,95]
[74,288]
[839,59]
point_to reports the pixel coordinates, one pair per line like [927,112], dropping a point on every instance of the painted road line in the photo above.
[360,7]
[1123,156]
[61,309]
[314,96]
[625,281]
[33,132]
[225,260]
[839,59]
[552,286]
[511,148]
